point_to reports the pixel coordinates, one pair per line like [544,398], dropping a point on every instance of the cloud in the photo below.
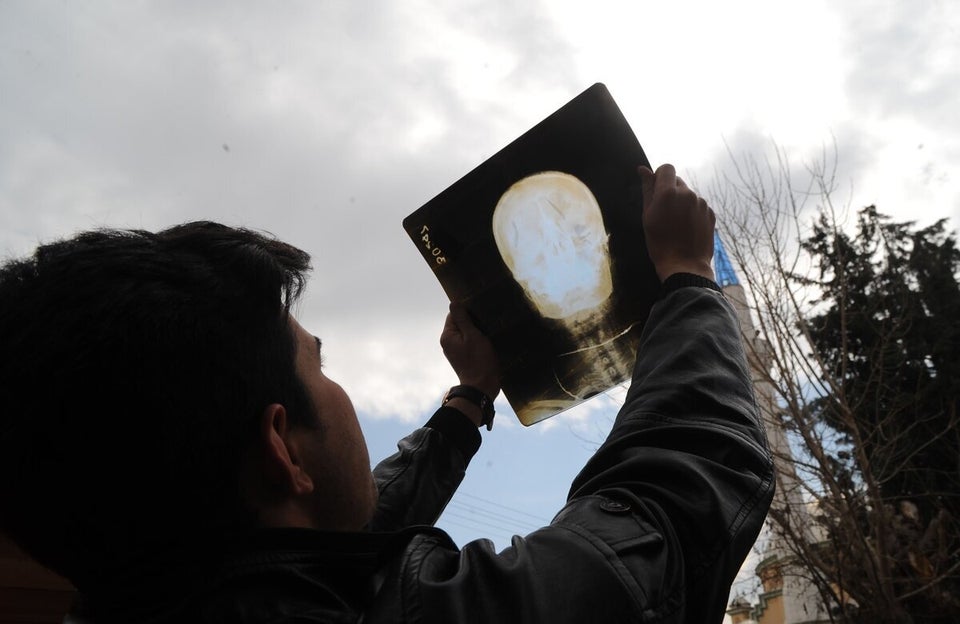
[324,123]
[903,86]
[891,115]
[327,123]
[903,59]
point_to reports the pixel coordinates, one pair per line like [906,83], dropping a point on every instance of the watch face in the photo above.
[473,395]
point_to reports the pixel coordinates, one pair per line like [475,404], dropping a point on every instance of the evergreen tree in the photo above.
[890,334]
[887,331]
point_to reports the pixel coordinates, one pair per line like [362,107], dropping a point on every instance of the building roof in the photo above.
[722,266]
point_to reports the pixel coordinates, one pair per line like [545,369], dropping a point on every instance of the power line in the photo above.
[480,524]
[489,519]
[500,541]
[541,521]
[486,515]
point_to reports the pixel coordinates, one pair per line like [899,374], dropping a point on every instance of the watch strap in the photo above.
[478,398]
[683,280]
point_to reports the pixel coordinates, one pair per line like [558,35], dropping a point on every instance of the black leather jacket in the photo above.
[655,528]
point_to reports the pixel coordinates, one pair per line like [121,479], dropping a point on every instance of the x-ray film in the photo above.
[543,243]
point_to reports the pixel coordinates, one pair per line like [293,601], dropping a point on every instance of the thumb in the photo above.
[461,318]
[647,181]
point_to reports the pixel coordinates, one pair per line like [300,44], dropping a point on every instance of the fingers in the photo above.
[451,334]
[666,178]
[647,182]
[469,351]
[450,324]
[458,326]
[461,320]
[678,224]
[705,207]
[459,314]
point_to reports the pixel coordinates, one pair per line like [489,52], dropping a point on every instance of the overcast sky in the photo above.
[328,122]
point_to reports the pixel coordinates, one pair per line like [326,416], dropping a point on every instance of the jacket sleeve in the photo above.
[416,483]
[658,521]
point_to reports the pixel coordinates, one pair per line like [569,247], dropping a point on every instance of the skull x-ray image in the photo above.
[550,233]
[549,230]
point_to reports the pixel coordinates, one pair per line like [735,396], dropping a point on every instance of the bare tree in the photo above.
[859,408]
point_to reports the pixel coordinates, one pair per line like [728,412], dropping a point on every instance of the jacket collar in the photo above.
[164,579]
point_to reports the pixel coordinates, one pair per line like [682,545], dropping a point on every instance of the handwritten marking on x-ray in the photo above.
[435,251]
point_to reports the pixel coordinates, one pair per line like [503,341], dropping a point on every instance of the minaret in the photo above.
[800,599]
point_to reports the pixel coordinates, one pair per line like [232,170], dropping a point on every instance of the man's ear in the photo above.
[283,454]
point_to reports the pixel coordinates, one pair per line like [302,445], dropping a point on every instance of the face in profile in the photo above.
[337,459]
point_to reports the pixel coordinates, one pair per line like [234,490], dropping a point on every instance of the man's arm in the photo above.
[659,520]
[416,483]
[688,453]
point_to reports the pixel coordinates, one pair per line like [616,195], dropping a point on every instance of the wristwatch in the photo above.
[478,398]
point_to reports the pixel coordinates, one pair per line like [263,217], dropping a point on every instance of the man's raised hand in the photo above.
[678,225]
[469,352]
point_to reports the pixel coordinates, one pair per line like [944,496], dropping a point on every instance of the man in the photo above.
[170,443]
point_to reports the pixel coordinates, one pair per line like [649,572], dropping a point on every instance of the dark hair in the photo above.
[133,367]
